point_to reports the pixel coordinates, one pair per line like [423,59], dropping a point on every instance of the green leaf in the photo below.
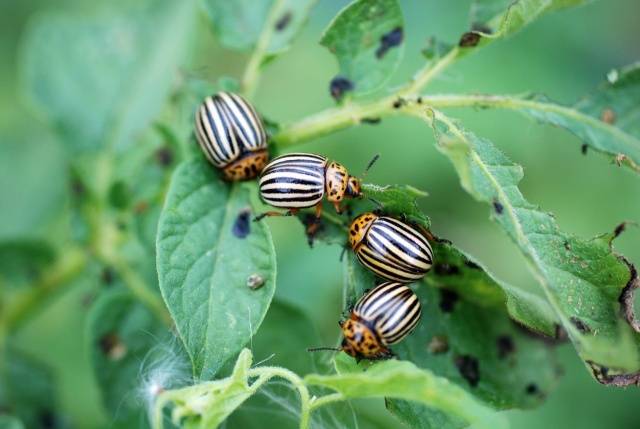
[102,78]
[10,422]
[459,272]
[398,200]
[506,17]
[208,404]
[22,262]
[403,380]
[582,278]
[26,389]
[366,38]
[240,24]
[209,252]
[123,335]
[465,323]
[608,119]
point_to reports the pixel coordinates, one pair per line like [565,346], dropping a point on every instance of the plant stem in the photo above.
[251,74]
[290,376]
[428,73]
[71,263]
[326,399]
[139,289]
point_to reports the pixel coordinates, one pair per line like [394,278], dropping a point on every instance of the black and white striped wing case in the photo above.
[227,127]
[292,181]
[395,251]
[393,310]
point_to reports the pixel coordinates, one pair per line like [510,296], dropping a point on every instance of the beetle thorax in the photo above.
[360,341]
[247,167]
[359,228]
[336,178]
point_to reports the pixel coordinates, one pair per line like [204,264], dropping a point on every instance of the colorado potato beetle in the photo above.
[390,248]
[232,136]
[301,180]
[383,316]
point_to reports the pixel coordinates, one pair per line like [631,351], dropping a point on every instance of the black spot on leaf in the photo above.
[448,299]
[580,325]
[398,103]
[164,156]
[371,121]
[469,368]
[446,269]
[469,39]
[242,226]
[532,389]
[388,41]
[498,207]
[505,346]
[107,276]
[584,148]
[284,21]
[47,419]
[77,187]
[339,86]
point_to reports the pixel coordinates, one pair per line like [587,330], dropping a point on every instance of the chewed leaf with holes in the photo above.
[608,119]
[582,278]
[216,267]
[116,61]
[467,336]
[239,24]
[505,17]
[367,39]
[122,334]
[403,380]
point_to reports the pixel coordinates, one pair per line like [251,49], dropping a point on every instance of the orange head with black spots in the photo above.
[360,341]
[339,184]
[359,228]
[247,167]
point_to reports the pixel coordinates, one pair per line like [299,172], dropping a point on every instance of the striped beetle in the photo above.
[390,248]
[232,136]
[300,180]
[383,316]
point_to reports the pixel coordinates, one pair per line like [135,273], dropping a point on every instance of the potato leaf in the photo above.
[582,278]
[467,337]
[403,380]
[102,78]
[216,267]
[367,39]
[122,334]
[240,24]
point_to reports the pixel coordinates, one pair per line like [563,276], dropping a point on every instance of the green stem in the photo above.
[71,263]
[139,289]
[327,399]
[428,73]
[290,376]
[251,74]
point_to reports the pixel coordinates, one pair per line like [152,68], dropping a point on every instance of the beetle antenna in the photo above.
[317,349]
[377,203]
[373,161]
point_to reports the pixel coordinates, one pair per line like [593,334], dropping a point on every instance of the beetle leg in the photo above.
[313,227]
[290,212]
[337,206]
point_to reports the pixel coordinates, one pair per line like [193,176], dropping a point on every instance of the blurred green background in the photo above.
[563,55]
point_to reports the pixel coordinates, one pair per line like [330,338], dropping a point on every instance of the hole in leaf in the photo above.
[448,299]
[469,368]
